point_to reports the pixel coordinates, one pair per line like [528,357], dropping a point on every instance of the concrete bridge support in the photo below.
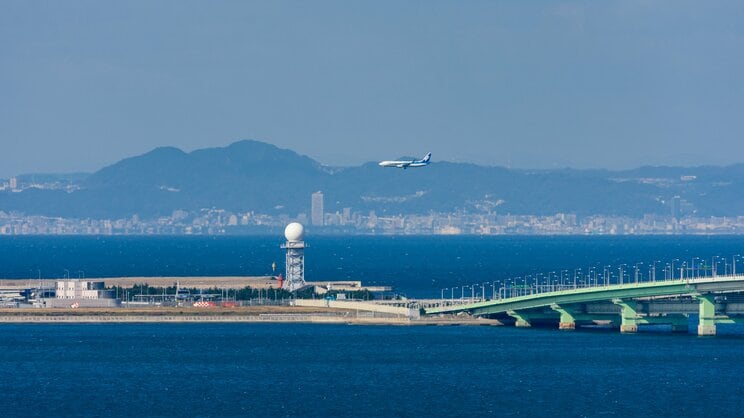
[521,319]
[628,315]
[568,320]
[707,322]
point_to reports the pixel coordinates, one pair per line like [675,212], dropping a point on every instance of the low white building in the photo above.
[82,289]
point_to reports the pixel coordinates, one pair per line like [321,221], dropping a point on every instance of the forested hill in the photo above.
[255,176]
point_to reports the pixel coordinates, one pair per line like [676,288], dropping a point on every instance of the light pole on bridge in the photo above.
[538,276]
[696,263]
[593,276]
[653,270]
[606,274]
[636,272]
[733,264]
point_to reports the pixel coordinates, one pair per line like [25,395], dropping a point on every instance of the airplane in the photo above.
[409,163]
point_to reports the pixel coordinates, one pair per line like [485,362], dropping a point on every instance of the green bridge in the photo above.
[713,300]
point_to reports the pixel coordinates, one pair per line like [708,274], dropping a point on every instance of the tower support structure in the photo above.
[295,265]
[295,258]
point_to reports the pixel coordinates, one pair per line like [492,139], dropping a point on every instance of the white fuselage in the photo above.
[407,163]
[401,164]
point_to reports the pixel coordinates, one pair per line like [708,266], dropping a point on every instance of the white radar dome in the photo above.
[294,232]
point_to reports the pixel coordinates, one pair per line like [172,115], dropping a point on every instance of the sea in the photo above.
[195,369]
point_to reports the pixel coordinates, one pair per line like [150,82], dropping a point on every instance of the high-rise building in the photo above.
[347,216]
[13,183]
[675,204]
[316,208]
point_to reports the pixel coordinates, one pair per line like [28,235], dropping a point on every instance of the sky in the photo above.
[536,84]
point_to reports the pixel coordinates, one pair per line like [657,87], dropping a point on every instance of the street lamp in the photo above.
[574,281]
[653,270]
[592,276]
[695,271]
[538,276]
[606,274]
[636,272]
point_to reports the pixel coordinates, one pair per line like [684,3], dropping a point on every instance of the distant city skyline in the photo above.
[580,84]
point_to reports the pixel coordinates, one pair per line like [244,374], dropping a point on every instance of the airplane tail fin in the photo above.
[426,158]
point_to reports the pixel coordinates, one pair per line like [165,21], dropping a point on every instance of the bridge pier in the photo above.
[628,315]
[567,320]
[707,321]
[521,319]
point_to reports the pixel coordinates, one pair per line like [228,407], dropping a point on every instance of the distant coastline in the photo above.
[195,196]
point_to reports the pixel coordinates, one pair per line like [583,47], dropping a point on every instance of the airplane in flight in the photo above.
[408,163]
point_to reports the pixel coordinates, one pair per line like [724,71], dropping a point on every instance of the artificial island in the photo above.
[693,297]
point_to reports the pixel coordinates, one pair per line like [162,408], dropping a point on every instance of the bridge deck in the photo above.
[705,285]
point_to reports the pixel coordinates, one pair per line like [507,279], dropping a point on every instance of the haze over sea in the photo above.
[324,370]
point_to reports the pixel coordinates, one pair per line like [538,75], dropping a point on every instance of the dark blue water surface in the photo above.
[328,370]
[416,266]
[324,370]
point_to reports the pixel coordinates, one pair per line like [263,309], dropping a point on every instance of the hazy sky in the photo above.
[527,83]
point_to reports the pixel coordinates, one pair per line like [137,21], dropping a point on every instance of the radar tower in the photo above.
[295,261]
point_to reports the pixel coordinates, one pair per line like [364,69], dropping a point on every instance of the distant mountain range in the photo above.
[256,176]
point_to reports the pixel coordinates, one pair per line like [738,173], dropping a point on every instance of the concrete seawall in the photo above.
[271,318]
[33,318]
[358,306]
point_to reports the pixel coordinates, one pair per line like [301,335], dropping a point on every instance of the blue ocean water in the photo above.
[323,370]
[330,370]
[415,266]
